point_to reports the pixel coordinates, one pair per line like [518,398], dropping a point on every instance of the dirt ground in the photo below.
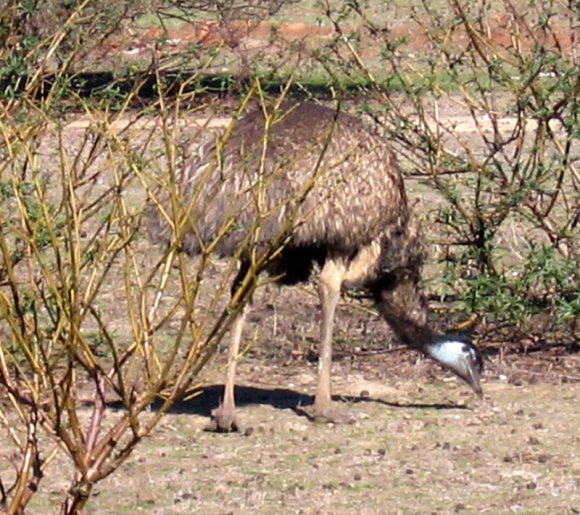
[414,449]
[250,38]
[422,443]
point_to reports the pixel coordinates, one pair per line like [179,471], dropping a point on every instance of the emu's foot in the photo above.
[224,420]
[329,415]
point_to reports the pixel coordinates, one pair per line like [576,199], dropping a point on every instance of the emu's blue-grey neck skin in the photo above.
[460,356]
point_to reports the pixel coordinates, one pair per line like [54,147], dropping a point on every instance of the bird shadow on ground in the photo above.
[210,397]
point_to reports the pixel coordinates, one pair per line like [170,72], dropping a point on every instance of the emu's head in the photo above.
[460,356]
[403,306]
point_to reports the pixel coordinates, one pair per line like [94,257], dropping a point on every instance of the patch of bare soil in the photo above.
[415,448]
[501,33]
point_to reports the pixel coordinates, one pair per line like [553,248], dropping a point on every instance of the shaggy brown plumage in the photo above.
[329,188]
[328,181]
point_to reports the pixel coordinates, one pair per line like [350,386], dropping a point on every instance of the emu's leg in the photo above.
[330,282]
[223,418]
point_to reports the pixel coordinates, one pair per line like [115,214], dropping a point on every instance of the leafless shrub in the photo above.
[85,319]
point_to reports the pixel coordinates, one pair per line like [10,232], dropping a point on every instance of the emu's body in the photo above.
[328,188]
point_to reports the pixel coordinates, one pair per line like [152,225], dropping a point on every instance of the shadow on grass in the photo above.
[280,398]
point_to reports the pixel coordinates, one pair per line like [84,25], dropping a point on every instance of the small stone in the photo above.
[364,393]
[382,452]
[249,431]
[357,477]
[409,472]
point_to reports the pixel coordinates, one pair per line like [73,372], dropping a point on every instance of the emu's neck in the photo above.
[405,310]
[411,333]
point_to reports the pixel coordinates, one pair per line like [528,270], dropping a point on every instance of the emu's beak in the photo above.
[472,377]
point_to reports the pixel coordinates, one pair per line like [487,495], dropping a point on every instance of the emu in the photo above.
[334,189]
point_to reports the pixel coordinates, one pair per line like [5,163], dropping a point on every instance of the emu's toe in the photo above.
[329,415]
[224,420]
